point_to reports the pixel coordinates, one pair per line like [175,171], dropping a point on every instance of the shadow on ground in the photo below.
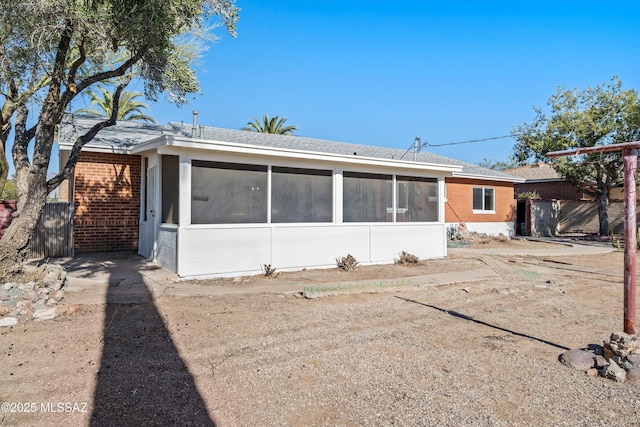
[482,322]
[142,379]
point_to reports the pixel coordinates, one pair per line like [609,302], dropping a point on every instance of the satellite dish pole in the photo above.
[630,161]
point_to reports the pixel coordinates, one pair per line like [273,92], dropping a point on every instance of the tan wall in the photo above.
[106,194]
[459,206]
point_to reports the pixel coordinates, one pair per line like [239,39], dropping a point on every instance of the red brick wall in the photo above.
[556,190]
[106,194]
[459,206]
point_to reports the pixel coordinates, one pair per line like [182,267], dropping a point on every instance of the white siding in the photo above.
[234,251]
[167,247]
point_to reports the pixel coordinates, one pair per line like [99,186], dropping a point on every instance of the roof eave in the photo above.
[515,180]
[223,146]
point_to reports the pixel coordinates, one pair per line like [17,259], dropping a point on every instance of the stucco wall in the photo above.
[106,194]
[459,206]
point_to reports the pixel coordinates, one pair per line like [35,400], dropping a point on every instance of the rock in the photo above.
[634,359]
[237,280]
[622,343]
[633,375]
[8,321]
[600,361]
[29,286]
[592,372]
[23,311]
[578,359]
[615,372]
[45,313]
[9,285]
[57,295]
[54,276]
[4,310]
[4,295]
[69,309]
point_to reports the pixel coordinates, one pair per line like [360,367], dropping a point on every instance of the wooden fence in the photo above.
[53,237]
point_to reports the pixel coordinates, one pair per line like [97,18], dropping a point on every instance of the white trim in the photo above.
[514,180]
[236,148]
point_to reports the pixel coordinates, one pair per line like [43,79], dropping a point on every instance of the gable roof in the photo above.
[125,136]
[539,172]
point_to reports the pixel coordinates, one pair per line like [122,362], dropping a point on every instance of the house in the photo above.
[543,180]
[205,201]
[548,204]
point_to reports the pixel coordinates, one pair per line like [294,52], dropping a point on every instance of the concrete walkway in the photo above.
[128,278]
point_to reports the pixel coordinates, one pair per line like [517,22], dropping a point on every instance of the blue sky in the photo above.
[382,73]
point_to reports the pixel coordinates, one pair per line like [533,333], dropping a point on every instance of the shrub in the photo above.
[268,270]
[406,258]
[347,263]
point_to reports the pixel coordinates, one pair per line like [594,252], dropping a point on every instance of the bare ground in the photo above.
[482,353]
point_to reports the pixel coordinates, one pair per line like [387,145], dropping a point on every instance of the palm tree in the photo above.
[273,125]
[128,107]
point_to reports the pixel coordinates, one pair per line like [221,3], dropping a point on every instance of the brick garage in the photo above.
[106,195]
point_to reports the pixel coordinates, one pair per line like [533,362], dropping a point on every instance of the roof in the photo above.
[536,172]
[127,135]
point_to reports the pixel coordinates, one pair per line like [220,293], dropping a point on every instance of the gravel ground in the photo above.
[477,354]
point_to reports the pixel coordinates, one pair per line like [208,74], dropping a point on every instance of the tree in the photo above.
[500,165]
[273,125]
[10,191]
[53,51]
[596,116]
[128,107]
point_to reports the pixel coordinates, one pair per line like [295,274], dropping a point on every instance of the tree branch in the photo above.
[81,141]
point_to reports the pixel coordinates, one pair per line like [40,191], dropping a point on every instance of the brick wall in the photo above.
[556,190]
[106,194]
[459,206]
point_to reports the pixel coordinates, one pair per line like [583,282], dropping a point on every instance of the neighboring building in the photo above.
[542,179]
[205,201]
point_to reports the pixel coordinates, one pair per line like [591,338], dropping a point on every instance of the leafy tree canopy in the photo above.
[52,51]
[600,115]
[270,125]
[500,165]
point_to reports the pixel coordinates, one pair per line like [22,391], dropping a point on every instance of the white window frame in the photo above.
[484,211]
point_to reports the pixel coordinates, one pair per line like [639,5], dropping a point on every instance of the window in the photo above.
[227,193]
[484,200]
[301,195]
[170,189]
[367,197]
[417,199]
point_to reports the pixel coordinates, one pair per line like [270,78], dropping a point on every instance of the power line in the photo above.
[418,144]
[428,144]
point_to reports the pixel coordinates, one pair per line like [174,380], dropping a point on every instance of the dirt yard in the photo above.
[472,354]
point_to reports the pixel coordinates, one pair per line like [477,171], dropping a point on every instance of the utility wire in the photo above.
[418,144]
[428,144]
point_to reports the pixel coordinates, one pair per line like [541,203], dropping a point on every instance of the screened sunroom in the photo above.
[217,206]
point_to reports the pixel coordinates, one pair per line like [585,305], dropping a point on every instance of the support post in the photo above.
[630,159]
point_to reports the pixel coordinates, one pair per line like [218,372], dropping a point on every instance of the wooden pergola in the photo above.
[630,162]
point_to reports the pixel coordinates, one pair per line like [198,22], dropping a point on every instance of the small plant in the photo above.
[268,270]
[615,242]
[347,263]
[406,258]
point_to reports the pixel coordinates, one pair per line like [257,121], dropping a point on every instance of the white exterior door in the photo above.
[147,225]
